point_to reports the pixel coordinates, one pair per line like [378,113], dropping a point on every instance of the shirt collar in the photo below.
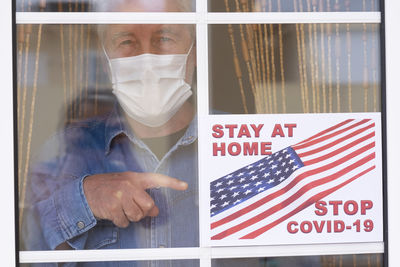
[116,124]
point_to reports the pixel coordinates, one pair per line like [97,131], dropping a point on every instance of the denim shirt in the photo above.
[56,209]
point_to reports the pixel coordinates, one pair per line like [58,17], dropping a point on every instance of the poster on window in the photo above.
[291,179]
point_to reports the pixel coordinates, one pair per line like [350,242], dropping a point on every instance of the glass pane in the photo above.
[369,260]
[293,6]
[104,6]
[98,117]
[164,263]
[301,68]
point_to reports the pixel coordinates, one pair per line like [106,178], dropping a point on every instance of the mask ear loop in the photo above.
[110,68]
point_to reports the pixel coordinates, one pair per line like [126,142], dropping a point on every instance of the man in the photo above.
[127,179]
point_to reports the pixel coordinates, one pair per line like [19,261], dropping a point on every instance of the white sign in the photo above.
[291,179]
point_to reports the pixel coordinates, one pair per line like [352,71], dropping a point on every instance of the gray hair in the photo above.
[108,5]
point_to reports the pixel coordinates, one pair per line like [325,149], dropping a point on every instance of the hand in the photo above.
[121,197]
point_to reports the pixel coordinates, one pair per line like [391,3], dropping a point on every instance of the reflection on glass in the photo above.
[171,263]
[293,6]
[301,68]
[106,119]
[369,260]
[99,5]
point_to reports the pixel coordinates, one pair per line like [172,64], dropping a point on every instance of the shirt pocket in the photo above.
[103,235]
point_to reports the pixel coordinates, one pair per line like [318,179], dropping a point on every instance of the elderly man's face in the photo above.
[136,39]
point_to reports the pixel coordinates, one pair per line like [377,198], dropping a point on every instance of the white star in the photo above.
[212,199]
[285,150]
[258,183]
[229,176]
[291,161]
[242,180]
[222,197]
[213,206]
[278,172]
[248,192]
[246,185]
[218,184]
[249,167]
[230,182]
[253,171]
[295,167]
[254,177]
[287,156]
[226,203]
[274,167]
[233,187]
[262,169]
[287,169]
[259,165]
[261,189]
[283,164]
[280,159]
[270,162]
[235,194]
[270,181]
[266,175]
[220,190]
[281,179]
[240,174]
[236,201]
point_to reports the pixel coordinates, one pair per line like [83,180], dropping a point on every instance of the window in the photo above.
[206,23]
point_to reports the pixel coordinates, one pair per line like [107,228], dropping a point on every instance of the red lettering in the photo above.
[278,131]
[231,128]
[217,149]
[321,209]
[319,227]
[338,226]
[335,204]
[244,131]
[354,209]
[329,226]
[366,205]
[306,227]
[257,129]
[290,227]
[266,148]
[235,152]
[218,133]
[290,128]
[250,149]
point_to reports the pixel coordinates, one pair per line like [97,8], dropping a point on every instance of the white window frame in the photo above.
[202,19]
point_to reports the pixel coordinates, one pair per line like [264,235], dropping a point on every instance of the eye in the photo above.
[125,42]
[165,39]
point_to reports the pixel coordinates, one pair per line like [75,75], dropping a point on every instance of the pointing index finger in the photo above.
[154,180]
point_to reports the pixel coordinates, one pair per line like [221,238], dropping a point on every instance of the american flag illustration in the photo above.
[251,200]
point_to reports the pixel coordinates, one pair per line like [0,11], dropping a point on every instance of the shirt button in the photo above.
[80,225]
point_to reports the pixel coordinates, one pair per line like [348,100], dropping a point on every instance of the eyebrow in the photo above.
[121,34]
[168,29]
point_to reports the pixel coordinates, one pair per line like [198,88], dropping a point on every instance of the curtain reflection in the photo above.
[292,5]
[327,69]
[52,60]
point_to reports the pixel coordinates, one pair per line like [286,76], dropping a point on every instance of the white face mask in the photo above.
[150,88]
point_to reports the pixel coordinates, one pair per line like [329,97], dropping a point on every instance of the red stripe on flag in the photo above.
[338,151]
[289,200]
[323,138]
[287,188]
[309,202]
[326,131]
[344,138]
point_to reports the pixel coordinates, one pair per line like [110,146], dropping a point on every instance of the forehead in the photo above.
[143,30]
[147,6]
